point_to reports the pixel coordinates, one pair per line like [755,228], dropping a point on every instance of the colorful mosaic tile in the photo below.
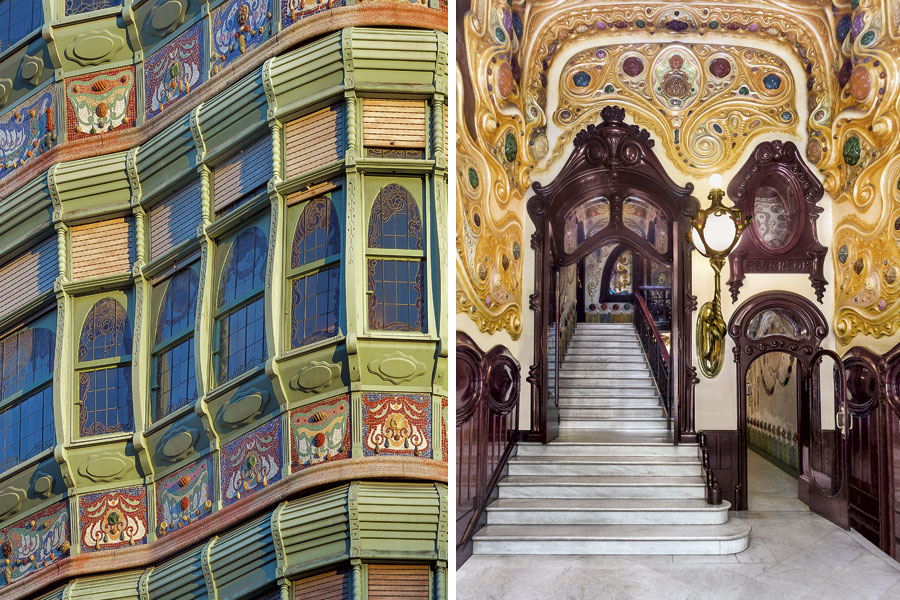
[114,518]
[320,432]
[238,26]
[295,10]
[184,496]
[35,542]
[394,424]
[444,416]
[251,462]
[27,131]
[174,70]
[99,102]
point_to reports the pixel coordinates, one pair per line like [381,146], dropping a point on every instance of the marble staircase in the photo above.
[612,482]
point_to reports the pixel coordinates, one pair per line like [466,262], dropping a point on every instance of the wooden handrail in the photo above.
[656,334]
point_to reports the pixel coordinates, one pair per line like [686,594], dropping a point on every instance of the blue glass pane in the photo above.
[177,311]
[26,359]
[105,396]
[36,414]
[242,337]
[175,378]
[396,300]
[18,18]
[315,300]
[244,270]
[317,235]
[106,332]
[394,222]
[9,438]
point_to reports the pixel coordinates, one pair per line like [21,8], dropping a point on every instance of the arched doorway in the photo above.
[611,171]
[791,326]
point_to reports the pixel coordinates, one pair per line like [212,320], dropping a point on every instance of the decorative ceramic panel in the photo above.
[27,131]
[238,26]
[174,70]
[295,10]
[251,462]
[113,519]
[100,102]
[445,415]
[35,542]
[320,432]
[184,496]
[397,424]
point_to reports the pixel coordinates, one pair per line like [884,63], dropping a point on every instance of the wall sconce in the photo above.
[714,233]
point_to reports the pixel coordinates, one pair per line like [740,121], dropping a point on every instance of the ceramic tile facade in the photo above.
[174,70]
[397,424]
[27,131]
[444,417]
[184,496]
[114,518]
[100,102]
[295,10]
[35,542]
[238,26]
[251,462]
[320,432]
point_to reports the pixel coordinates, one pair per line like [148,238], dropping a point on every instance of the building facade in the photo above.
[224,344]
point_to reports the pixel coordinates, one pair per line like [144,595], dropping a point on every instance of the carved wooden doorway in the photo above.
[611,167]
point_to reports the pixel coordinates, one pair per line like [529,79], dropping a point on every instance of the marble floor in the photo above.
[793,554]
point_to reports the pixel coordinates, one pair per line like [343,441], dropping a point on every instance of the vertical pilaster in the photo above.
[356,583]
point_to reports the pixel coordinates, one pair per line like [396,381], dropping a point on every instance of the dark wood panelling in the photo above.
[245,173]
[314,140]
[28,275]
[330,585]
[396,582]
[724,459]
[102,248]
[175,219]
[393,123]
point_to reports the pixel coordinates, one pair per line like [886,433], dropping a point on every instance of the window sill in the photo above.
[234,383]
[408,336]
[169,418]
[105,438]
[26,464]
[296,352]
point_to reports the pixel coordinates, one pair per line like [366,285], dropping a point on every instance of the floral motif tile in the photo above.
[251,462]
[114,518]
[184,496]
[174,70]
[27,131]
[295,10]
[35,541]
[238,26]
[396,424]
[100,102]
[320,432]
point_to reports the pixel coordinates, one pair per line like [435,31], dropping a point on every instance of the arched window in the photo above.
[240,313]
[396,264]
[104,370]
[175,383]
[315,273]
[26,394]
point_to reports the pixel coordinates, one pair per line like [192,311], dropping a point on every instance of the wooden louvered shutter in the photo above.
[175,219]
[393,123]
[330,585]
[446,132]
[393,582]
[28,275]
[314,140]
[102,248]
[243,175]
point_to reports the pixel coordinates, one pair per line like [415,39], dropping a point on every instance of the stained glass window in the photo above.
[315,273]
[18,18]
[104,389]
[26,374]
[396,265]
[173,352]
[240,318]
[76,7]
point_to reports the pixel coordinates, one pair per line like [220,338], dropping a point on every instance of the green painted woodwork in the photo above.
[314,530]
[234,117]
[242,559]
[304,77]
[120,586]
[171,156]
[180,578]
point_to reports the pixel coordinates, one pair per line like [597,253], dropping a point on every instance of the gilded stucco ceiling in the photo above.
[532,74]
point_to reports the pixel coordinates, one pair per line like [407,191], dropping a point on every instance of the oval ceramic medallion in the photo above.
[242,409]
[9,502]
[397,367]
[167,16]
[104,467]
[314,376]
[178,444]
[93,48]
[43,485]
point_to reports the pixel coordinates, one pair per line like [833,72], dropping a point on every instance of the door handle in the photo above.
[839,423]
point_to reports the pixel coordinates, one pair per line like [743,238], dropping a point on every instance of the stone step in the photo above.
[635,466]
[570,402]
[605,326]
[580,369]
[726,538]
[604,338]
[572,443]
[604,511]
[618,412]
[521,486]
[606,393]
[631,347]
[608,373]
[624,424]
[603,383]
[604,357]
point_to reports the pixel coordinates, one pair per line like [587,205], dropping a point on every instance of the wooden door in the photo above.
[828,426]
